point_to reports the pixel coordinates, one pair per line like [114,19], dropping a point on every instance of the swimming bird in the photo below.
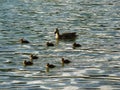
[33,56]
[65,61]
[27,63]
[71,35]
[23,41]
[76,45]
[49,44]
[50,65]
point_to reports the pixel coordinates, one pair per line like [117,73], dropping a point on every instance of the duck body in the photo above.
[27,63]
[23,41]
[76,45]
[71,35]
[50,65]
[49,44]
[33,56]
[65,61]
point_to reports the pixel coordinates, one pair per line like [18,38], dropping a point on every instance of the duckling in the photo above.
[33,56]
[71,35]
[65,61]
[23,41]
[27,63]
[50,65]
[76,45]
[49,44]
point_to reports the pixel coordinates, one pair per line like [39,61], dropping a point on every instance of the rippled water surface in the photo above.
[94,66]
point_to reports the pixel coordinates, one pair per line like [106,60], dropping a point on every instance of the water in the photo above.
[95,65]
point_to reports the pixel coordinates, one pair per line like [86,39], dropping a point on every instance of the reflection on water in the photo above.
[95,65]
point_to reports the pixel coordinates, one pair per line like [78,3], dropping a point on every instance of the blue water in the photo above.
[94,66]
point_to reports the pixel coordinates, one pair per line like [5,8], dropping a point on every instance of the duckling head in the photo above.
[62,62]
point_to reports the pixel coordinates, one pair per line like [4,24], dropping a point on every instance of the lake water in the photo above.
[94,66]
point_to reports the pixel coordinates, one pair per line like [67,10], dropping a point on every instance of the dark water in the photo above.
[95,65]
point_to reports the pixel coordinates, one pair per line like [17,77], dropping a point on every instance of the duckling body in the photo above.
[65,61]
[33,56]
[71,35]
[76,45]
[49,44]
[27,63]
[23,41]
[50,65]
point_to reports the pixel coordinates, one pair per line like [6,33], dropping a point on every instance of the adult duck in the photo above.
[23,41]
[27,63]
[71,35]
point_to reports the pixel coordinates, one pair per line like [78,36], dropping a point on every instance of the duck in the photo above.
[76,45]
[71,35]
[65,61]
[33,56]
[50,65]
[27,63]
[23,41]
[49,44]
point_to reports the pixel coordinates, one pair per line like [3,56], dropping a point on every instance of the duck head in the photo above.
[31,56]
[21,40]
[56,33]
[62,62]
[47,65]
